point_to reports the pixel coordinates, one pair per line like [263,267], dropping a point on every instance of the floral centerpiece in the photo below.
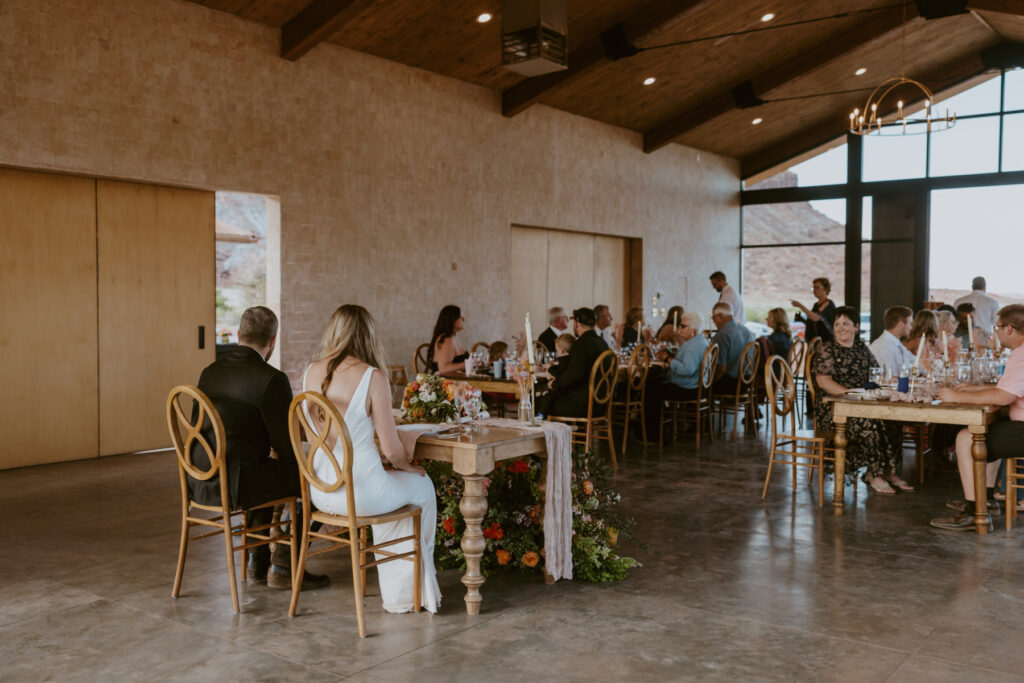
[513,527]
[430,398]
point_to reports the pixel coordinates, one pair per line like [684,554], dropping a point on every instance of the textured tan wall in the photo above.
[387,175]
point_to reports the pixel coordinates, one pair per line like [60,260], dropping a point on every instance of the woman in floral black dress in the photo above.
[845,362]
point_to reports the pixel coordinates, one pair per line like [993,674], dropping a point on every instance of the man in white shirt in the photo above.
[728,295]
[558,324]
[888,350]
[985,307]
[604,327]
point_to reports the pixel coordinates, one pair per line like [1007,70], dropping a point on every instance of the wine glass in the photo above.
[472,406]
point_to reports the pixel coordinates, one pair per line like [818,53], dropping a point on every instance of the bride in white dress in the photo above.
[347,375]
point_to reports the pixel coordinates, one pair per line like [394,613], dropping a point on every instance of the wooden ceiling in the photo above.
[805,73]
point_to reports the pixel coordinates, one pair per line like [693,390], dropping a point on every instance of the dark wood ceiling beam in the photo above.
[317,22]
[872,29]
[644,25]
[806,140]
[1001,6]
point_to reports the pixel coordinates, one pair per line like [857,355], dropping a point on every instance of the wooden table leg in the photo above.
[839,479]
[474,507]
[979,452]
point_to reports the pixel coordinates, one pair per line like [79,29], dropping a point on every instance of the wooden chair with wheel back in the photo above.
[480,345]
[698,411]
[351,531]
[192,419]
[598,422]
[812,390]
[632,403]
[795,358]
[789,448]
[745,396]
[419,359]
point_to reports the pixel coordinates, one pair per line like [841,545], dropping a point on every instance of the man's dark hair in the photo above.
[257,327]
[717,275]
[965,307]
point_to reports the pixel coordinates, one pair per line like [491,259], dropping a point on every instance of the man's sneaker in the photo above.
[960,505]
[958,523]
[281,578]
[257,566]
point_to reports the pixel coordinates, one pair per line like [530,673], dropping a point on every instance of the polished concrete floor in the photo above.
[731,588]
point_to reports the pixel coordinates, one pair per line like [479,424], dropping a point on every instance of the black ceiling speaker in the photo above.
[937,9]
[744,97]
[616,44]
[1005,55]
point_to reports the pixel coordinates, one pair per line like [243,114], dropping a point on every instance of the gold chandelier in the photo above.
[872,119]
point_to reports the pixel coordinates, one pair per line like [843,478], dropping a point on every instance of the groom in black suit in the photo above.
[252,398]
[570,391]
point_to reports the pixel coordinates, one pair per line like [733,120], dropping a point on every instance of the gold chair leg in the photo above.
[418,560]
[294,535]
[182,551]
[299,571]
[768,476]
[362,555]
[229,550]
[357,592]
[821,474]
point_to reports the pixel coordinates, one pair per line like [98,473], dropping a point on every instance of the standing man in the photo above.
[728,295]
[604,325]
[252,398]
[887,349]
[570,391]
[985,307]
[558,324]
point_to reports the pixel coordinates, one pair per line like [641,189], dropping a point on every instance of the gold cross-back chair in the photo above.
[419,359]
[200,410]
[632,403]
[598,422]
[744,396]
[699,410]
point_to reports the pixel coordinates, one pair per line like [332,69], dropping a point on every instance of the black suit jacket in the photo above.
[547,338]
[252,398]
[571,389]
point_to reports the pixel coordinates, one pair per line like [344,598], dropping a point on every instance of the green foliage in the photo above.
[513,527]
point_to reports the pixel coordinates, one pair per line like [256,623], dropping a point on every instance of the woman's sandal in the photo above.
[882,489]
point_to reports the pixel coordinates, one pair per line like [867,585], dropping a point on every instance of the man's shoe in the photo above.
[281,578]
[257,566]
[958,523]
[960,505]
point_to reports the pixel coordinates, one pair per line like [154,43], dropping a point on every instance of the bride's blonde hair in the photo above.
[350,333]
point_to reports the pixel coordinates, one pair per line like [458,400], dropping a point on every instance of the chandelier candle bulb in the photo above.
[529,340]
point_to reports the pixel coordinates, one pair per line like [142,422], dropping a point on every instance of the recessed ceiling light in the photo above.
[650,80]
[757,120]
[860,72]
[484,18]
[768,16]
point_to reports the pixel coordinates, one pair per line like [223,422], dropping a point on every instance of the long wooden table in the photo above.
[473,457]
[976,418]
[486,383]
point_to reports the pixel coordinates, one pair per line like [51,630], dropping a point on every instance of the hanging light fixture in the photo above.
[872,119]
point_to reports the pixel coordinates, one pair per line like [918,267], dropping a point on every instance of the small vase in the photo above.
[525,407]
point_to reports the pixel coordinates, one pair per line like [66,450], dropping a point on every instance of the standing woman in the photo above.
[841,363]
[819,317]
[780,337]
[446,354]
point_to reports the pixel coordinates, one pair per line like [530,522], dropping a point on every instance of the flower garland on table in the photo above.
[430,398]
[514,525]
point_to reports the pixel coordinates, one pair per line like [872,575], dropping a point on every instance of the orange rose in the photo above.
[613,535]
[588,487]
[531,559]
[494,532]
[449,525]
[503,556]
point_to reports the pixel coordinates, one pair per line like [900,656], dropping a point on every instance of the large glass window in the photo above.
[795,222]
[896,157]
[776,276]
[1013,94]
[981,99]
[971,146]
[827,168]
[1013,142]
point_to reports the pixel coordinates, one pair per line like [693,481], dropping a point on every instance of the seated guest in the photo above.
[924,330]
[570,391]
[563,345]
[732,338]
[947,323]
[683,376]
[887,349]
[558,324]
[964,311]
[842,363]
[497,351]
[667,331]
[252,398]
[446,354]
[634,320]
[780,337]
[1004,439]
[604,327]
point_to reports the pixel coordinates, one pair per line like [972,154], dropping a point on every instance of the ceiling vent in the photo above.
[533,36]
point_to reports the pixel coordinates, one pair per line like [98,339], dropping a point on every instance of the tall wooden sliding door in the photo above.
[569,269]
[48,356]
[103,286]
[156,289]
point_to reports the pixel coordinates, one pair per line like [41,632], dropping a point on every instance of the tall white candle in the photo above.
[529,340]
[920,349]
[970,332]
[675,321]
[638,340]
[945,347]
[995,329]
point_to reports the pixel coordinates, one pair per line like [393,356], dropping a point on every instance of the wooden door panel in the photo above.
[156,288]
[48,409]
[529,277]
[611,270]
[570,270]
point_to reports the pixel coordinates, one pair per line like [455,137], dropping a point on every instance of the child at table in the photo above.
[563,344]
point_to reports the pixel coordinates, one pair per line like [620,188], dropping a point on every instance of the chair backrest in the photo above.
[814,344]
[748,366]
[419,359]
[602,382]
[708,368]
[538,348]
[398,376]
[781,388]
[812,387]
[201,409]
[480,345]
[636,372]
[795,357]
[330,428]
